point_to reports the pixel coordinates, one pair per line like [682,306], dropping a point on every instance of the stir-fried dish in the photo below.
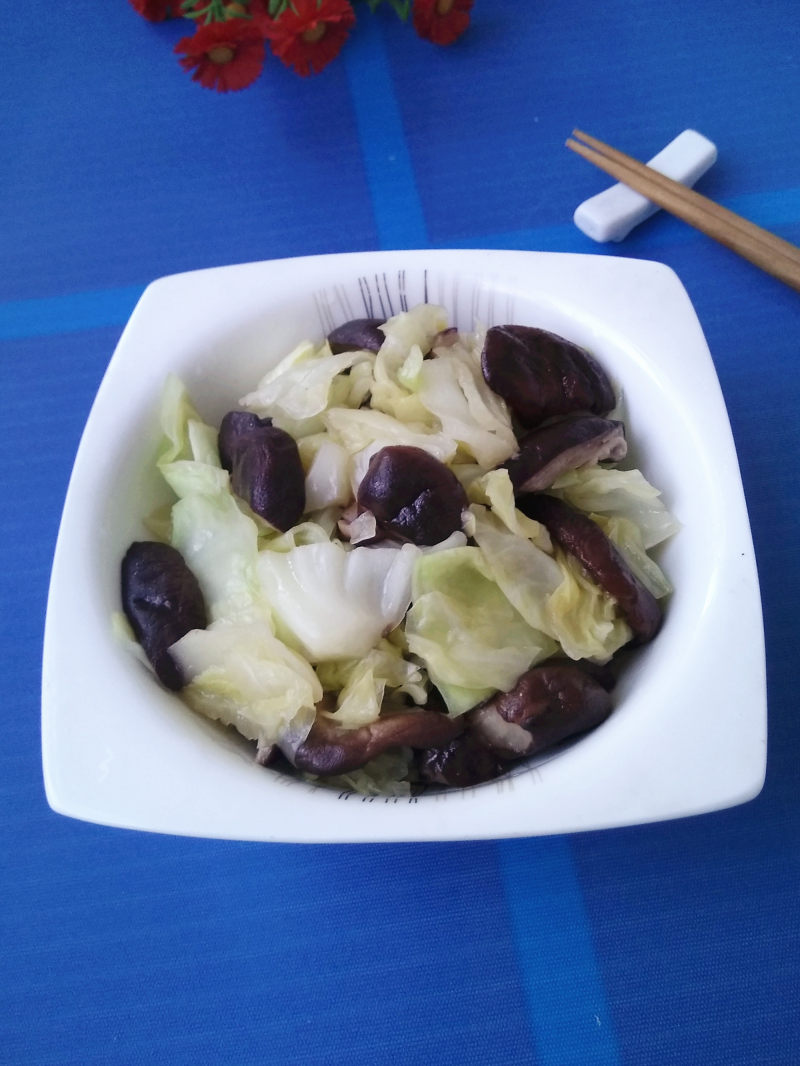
[409,558]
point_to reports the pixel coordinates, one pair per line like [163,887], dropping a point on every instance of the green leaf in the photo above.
[401,7]
[465,631]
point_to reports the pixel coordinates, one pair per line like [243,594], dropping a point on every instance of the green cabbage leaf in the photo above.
[364,428]
[361,684]
[582,617]
[188,457]
[550,591]
[619,493]
[627,538]
[471,639]
[243,676]
[304,384]
[219,544]
[330,602]
[452,387]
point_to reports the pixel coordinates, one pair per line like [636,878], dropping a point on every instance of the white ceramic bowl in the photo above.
[688,734]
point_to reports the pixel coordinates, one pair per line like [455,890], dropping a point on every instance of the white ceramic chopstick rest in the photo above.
[612,214]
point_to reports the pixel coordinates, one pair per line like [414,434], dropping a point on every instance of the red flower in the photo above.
[157,10]
[224,55]
[441,21]
[310,33]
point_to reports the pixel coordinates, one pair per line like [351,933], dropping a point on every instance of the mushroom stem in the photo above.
[330,749]
[579,535]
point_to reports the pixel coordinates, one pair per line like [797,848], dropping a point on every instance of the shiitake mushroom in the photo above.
[331,749]
[162,600]
[541,375]
[359,334]
[264,463]
[552,449]
[549,704]
[583,538]
[412,495]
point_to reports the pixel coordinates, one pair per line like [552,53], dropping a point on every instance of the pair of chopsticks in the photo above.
[772,254]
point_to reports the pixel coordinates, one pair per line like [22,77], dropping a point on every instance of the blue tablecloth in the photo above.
[669,943]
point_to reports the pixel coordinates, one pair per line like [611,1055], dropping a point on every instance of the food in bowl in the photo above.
[411,557]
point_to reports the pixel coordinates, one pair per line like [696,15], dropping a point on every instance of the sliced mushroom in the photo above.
[412,495]
[359,334]
[548,704]
[162,601]
[541,375]
[265,467]
[358,526]
[506,740]
[465,761]
[577,534]
[330,749]
[445,338]
[551,450]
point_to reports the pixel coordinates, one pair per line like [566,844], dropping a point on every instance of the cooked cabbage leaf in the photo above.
[494,489]
[395,382]
[243,676]
[386,775]
[452,387]
[361,683]
[333,603]
[582,617]
[471,639]
[551,592]
[188,455]
[527,575]
[417,327]
[175,414]
[220,546]
[620,493]
[363,428]
[304,383]
[327,467]
[627,537]
[307,532]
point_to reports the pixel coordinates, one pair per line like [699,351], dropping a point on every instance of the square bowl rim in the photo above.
[482,811]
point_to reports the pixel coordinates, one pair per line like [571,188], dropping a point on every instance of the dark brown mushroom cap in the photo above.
[541,375]
[412,495]
[265,467]
[356,335]
[162,601]
[551,450]
[465,761]
[579,535]
[331,749]
[549,704]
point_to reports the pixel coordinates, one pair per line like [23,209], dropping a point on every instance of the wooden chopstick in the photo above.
[772,254]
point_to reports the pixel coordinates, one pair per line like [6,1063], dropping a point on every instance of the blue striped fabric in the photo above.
[67,314]
[389,171]
[564,991]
